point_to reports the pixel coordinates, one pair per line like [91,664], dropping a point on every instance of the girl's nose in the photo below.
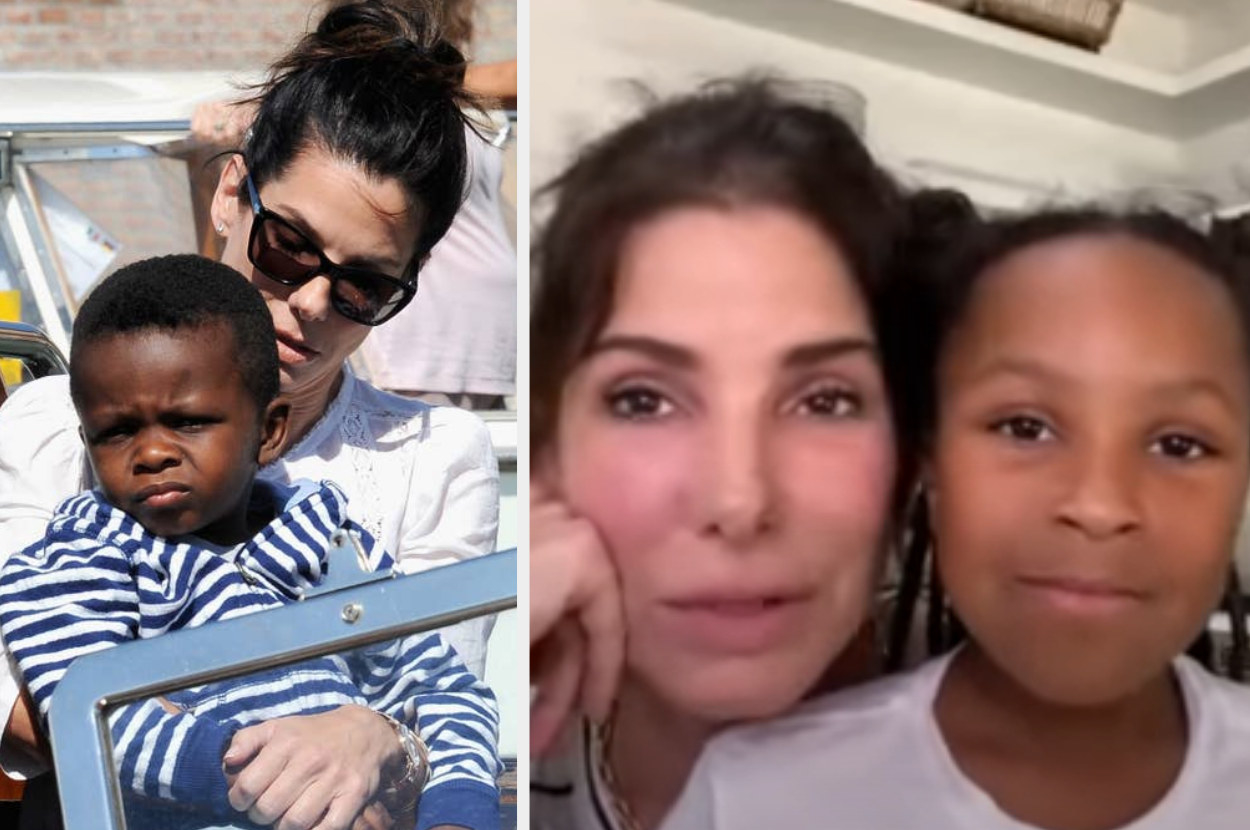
[1101,500]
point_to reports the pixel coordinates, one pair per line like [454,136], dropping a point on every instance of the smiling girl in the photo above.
[1089,448]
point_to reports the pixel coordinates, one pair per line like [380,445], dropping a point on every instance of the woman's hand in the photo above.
[222,123]
[577,630]
[313,771]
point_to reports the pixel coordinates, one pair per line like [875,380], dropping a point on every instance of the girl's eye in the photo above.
[1181,447]
[637,403]
[1023,428]
[831,402]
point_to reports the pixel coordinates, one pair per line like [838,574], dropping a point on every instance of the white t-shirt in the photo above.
[422,479]
[872,758]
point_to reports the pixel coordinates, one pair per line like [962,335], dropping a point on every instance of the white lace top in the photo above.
[422,479]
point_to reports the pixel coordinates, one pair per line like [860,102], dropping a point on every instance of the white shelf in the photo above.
[938,41]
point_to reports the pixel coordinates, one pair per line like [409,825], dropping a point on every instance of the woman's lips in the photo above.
[736,624]
[294,350]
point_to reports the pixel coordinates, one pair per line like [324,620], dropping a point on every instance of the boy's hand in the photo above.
[22,731]
[311,771]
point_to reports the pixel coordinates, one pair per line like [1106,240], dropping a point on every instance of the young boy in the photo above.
[174,374]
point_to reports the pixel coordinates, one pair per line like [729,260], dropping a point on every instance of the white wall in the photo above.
[1218,27]
[582,51]
[1152,36]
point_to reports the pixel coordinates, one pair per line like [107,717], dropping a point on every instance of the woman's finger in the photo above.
[254,770]
[374,816]
[603,622]
[557,668]
[246,743]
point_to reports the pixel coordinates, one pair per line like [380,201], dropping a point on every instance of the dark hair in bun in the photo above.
[378,85]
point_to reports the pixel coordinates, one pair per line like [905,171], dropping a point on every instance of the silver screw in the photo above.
[352,612]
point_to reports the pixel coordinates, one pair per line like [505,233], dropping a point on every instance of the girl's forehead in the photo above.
[1106,277]
[1108,306]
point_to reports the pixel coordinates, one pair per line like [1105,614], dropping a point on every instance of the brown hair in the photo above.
[731,143]
[458,22]
[456,17]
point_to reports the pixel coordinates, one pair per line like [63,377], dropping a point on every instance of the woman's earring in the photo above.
[221,228]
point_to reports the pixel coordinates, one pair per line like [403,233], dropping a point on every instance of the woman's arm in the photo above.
[495,81]
[420,681]
[73,595]
[296,769]
[302,767]
[452,510]
[41,463]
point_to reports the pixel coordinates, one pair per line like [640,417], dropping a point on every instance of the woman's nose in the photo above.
[311,301]
[739,492]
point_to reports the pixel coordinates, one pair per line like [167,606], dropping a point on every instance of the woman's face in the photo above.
[354,218]
[729,436]
[1090,462]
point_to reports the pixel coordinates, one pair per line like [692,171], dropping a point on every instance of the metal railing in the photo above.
[91,795]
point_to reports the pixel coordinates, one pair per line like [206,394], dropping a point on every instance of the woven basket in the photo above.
[1085,23]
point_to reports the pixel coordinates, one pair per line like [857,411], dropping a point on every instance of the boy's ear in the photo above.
[273,431]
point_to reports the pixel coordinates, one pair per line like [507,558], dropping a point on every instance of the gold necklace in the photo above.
[621,813]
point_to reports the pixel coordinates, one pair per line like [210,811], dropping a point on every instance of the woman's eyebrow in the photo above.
[292,216]
[811,353]
[800,356]
[661,351]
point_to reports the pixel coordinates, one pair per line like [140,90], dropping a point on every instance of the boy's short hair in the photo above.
[177,293]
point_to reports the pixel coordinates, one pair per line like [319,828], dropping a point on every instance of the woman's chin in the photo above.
[729,694]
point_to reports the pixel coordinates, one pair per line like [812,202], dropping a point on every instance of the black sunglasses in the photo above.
[283,253]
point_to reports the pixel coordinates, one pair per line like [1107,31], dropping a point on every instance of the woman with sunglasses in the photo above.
[352,171]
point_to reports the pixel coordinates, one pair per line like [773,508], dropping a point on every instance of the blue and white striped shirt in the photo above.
[98,578]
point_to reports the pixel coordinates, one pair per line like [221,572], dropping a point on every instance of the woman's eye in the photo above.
[1023,428]
[1182,447]
[293,245]
[638,403]
[833,402]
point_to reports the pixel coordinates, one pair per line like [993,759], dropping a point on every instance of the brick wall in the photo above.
[146,204]
[183,34]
